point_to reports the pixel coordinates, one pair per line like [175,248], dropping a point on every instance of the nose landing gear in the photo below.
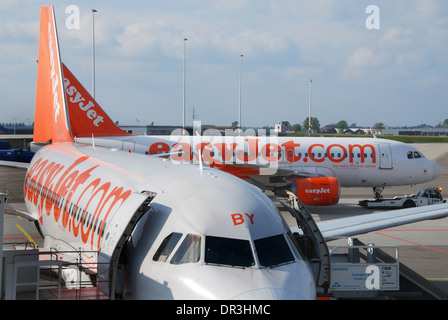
[377,193]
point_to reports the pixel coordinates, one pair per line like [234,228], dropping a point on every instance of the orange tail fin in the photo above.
[86,116]
[51,123]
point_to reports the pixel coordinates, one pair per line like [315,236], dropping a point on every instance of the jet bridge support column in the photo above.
[353,253]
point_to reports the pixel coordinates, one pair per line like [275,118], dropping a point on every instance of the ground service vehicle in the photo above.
[426,196]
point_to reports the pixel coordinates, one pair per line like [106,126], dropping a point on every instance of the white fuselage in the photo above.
[81,194]
[355,162]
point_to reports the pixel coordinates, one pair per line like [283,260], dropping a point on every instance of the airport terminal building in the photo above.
[435,132]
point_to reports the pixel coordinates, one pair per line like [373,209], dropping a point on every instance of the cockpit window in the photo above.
[189,251]
[418,155]
[167,247]
[415,155]
[273,251]
[226,251]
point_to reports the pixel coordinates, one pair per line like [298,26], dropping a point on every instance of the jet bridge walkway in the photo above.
[412,286]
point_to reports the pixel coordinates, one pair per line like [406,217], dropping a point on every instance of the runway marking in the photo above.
[13,173]
[14,238]
[415,243]
[27,235]
[15,178]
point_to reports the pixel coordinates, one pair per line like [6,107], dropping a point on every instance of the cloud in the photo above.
[363,58]
[227,5]
[141,37]
[139,51]
[396,37]
[251,42]
[19,30]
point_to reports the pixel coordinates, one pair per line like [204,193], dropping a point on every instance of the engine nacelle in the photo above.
[318,191]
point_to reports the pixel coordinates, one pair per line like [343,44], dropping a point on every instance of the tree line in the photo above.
[343,125]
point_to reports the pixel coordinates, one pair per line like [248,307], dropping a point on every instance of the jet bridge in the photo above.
[356,270]
[310,241]
[341,272]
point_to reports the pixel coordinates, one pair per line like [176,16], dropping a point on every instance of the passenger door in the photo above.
[385,156]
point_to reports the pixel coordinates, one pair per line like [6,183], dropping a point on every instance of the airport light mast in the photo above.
[239,99]
[309,109]
[93,52]
[184,84]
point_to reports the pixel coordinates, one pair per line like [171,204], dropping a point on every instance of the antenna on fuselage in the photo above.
[201,167]
[197,130]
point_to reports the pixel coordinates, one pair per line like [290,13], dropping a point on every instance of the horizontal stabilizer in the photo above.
[87,118]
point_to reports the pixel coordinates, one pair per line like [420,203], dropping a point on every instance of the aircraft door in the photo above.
[385,156]
[118,230]
[129,146]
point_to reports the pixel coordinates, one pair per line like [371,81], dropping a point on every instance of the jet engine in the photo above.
[315,191]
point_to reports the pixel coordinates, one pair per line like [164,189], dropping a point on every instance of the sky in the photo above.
[384,64]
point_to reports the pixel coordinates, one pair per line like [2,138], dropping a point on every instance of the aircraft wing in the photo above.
[344,227]
[14,164]
[9,209]
[276,174]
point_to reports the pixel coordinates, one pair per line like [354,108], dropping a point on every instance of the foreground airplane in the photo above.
[142,210]
[160,230]
[313,168]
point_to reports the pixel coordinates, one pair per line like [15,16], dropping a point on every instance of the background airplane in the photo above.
[314,168]
[176,232]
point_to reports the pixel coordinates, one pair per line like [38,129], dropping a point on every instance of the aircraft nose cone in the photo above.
[437,170]
[272,294]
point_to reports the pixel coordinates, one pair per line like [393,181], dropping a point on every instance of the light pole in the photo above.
[240,89]
[309,109]
[93,52]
